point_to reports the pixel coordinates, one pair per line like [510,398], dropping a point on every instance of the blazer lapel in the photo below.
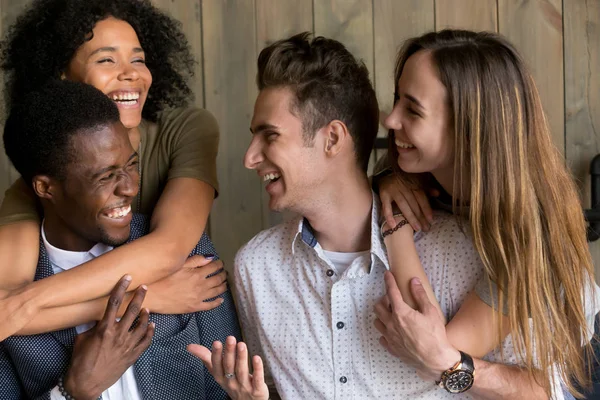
[44,270]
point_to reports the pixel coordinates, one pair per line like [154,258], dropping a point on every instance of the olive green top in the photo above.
[183,143]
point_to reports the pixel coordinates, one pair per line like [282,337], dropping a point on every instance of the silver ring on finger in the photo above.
[229,376]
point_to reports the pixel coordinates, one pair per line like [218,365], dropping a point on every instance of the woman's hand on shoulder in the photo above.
[188,289]
[413,204]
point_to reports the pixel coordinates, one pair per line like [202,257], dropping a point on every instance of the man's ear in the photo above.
[336,137]
[44,187]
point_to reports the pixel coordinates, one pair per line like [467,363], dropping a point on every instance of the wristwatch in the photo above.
[460,377]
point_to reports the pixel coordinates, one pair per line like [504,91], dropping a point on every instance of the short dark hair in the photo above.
[41,43]
[38,131]
[329,83]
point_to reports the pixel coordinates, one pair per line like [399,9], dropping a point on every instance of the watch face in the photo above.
[459,381]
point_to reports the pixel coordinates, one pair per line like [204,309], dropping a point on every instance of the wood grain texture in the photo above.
[476,15]
[279,19]
[189,13]
[535,28]
[582,94]
[275,20]
[230,68]
[394,22]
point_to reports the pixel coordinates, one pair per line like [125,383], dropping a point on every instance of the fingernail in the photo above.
[147,310]
[416,281]
[152,324]
[127,278]
[209,256]
[144,287]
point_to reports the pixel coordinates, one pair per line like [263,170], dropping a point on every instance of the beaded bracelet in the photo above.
[62,390]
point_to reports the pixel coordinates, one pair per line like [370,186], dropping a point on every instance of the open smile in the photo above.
[126,99]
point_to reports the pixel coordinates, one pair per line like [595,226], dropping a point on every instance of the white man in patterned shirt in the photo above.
[307,288]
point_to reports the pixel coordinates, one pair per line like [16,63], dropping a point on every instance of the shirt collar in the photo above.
[65,259]
[306,233]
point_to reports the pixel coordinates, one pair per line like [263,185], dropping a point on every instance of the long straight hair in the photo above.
[524,210]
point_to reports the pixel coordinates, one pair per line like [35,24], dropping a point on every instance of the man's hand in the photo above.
[230,369]
[102,354]
[187,290]
[417,337]
[413,204]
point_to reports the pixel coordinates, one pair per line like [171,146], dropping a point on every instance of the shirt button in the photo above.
[330,272]
[343,379]
[340,325]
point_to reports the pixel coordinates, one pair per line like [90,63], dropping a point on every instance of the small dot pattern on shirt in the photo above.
[290,306]
[165,371]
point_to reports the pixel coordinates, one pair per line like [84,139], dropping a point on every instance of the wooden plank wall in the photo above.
[560,40]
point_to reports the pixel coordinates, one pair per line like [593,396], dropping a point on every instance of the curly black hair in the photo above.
[39,129]
[44,39]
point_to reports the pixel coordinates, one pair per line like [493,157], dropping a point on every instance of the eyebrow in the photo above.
[112,167]
[414,100]
[262,127]
[114,49]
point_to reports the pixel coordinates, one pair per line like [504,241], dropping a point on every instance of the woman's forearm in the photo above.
[56,318]
[474,328]
[405,265]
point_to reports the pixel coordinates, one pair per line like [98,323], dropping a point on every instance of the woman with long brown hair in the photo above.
[468,121]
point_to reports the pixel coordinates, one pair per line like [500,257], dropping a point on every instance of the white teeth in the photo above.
[126,96]
[403,145]
[270,177]
[119,212]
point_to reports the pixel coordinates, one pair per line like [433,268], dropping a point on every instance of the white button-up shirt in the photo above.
[61,260]
[314,327]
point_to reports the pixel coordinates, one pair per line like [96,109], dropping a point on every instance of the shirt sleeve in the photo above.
[19,204]
[193,135]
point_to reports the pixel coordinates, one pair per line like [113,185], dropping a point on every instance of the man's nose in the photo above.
[254,154]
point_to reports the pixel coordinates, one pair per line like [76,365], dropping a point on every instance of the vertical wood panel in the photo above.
[394,22]
[276,19]
[189,13]
[230,69]
[535,28]
[350,22]
[582,94]
[476,15]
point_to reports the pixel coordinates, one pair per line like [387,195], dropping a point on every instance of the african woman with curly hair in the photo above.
[139,57]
